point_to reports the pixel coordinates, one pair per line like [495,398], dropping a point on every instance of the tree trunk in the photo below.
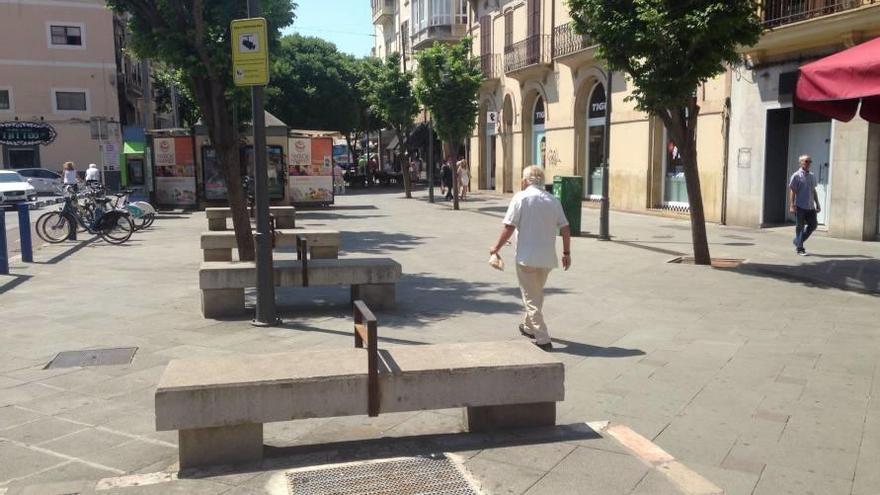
[683,128]
[215,110]
[404,166]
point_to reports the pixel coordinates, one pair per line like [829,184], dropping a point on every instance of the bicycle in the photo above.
[96,216]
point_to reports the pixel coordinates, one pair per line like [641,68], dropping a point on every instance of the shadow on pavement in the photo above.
[280,457]
[376,242]
[856,273]
[15,282]
[307,215]
[586,350]
[292,326]
[80,245]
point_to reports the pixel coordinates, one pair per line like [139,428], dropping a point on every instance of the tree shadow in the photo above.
[329,215]
[378,242]
[853,273]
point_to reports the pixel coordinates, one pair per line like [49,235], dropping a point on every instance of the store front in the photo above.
[595,142]
[539,137]
[20,143]
[174,171]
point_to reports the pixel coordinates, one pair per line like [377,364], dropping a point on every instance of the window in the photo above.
[461,11]
[440,14]
[71,101]
[66,35]
[508,29]
[5,99]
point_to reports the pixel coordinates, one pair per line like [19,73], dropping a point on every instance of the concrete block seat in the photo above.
[219,404]
[371,279]
[285,217]
[218,245]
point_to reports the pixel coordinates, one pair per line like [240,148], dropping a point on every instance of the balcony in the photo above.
[567,42]
[442,29]
[383,10]
[780,12]
[526,58]
[490,67]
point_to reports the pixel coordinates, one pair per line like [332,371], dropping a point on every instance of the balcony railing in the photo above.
[382,9]
[567,41]
[441,29]
[490,66]
[533,50]
[780,12]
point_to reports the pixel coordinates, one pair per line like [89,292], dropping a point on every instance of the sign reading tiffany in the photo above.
[26,133]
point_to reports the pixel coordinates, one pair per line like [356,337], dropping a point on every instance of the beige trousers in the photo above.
[531,284]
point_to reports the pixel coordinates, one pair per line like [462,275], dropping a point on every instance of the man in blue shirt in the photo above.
[804,203]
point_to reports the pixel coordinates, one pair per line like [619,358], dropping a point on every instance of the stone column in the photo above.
[855,180]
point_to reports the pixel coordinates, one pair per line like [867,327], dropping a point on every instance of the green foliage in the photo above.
[667,47]
[389,93]
[164,79]
[448,83]
[314,86]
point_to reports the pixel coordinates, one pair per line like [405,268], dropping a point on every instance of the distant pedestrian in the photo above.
[93,174]
[70,178]
[338,179]
[804,203]
[464,177]
[536,216]
[446,180]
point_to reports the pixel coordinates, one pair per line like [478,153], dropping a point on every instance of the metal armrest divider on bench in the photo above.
[366,331]
[302,254]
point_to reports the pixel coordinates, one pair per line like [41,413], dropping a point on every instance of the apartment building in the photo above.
[406,26]
[768,133]
[57,78]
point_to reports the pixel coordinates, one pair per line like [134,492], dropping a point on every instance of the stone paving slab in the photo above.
[691,358]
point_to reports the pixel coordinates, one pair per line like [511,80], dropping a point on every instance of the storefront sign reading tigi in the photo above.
[26,133]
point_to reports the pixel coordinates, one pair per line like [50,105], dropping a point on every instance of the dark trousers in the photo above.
[806,224]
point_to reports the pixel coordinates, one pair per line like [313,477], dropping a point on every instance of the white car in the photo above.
[14,189]
[44,181]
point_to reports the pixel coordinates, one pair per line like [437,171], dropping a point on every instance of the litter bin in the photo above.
[569,191]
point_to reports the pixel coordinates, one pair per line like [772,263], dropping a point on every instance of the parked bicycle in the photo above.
[94,214]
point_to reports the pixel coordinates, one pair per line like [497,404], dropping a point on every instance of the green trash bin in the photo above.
[569,192]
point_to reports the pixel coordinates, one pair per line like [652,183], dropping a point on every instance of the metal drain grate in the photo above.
[92,357]
[408,476]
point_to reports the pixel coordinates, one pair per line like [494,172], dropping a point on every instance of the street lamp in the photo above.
[604,235]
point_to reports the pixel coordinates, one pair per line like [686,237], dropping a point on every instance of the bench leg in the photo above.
[285,222]
[325,252]
[222,302]
[221,445]
[376,296]
[215,224]
[218,254]
[491,418]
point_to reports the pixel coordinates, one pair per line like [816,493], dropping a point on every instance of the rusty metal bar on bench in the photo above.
[302,254]
[365,330]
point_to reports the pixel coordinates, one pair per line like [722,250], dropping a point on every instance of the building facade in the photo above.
[60,72]
[768,132]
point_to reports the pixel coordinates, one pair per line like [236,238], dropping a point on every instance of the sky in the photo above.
[347,23]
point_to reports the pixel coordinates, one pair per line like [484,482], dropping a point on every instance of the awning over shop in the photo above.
[835,85]
[132,148]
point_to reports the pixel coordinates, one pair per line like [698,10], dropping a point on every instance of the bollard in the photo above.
[4,253]
[24,232]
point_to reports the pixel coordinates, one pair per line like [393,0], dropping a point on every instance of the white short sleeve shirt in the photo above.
[537,216]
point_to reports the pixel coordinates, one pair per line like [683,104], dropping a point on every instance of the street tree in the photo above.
[389,92]
[192,36]
[448,83]
[668,48]
[169,87]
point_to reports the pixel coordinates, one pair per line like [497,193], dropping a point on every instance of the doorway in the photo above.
[811,135]
[507,144]
[22,157]
[539,138]
[490,162]
[595,152]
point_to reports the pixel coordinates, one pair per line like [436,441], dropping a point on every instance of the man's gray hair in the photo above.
[534,175]
[803,158]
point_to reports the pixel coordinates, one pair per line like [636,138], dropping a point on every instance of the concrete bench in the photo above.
[371,279]
[219,404]
[218,246]
[285,217]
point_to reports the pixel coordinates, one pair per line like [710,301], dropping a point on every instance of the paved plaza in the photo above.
[757,380]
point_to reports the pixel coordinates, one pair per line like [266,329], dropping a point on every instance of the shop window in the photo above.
[66,35]
[5,100]
[71,101]
[674,185]
[596,140]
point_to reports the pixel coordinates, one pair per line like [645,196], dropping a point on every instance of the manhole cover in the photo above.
[92,357]
[408,476]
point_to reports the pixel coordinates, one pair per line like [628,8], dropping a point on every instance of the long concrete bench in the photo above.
[218,246]
[285,217]
[219,404]
[371,279]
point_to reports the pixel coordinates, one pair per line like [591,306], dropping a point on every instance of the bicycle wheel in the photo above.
[148,220]
[119,231]
[55,227]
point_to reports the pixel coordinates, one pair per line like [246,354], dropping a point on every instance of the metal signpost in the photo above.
[250,67]
[604,235]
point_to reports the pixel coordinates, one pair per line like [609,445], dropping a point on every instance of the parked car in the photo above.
[15,189]
[44,181]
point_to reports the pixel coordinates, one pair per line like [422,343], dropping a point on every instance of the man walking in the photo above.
[446,180]
[804,203]
[536,216]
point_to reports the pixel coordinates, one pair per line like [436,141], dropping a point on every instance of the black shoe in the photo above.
[545,347]
[522,330]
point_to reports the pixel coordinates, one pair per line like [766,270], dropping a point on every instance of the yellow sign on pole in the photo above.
[250,52]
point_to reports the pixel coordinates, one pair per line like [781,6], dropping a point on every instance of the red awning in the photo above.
[835,85]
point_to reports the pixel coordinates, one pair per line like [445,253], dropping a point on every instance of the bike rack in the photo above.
[366,332]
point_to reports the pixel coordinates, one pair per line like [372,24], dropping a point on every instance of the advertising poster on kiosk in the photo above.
[175,171]
[311,171]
